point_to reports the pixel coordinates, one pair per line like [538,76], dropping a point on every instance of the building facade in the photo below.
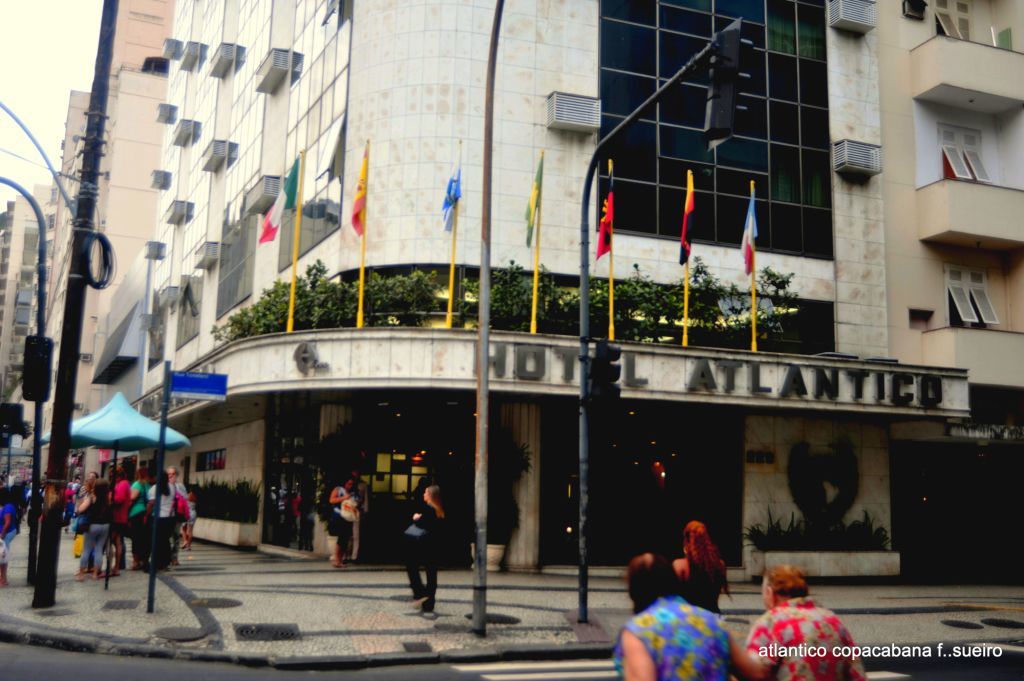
[702,432]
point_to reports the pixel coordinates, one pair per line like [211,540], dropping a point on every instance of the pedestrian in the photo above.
[69,503]
[339,526]
[98,513]
[361,491]
[669,639]
[701,571]
[793,623]
[179,488]
[121,500]
[189,525]
[307,522]
[9,530]
[140,531]
[423,539]
[164,517]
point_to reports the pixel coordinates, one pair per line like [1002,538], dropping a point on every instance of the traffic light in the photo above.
[725,71]
[35,382]
[11,422]
[604,372]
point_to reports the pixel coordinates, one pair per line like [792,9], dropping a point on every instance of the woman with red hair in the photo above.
[701,571]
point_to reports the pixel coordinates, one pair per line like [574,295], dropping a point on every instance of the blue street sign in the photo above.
[197,386]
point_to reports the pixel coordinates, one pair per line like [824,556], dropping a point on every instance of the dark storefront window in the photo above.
[781,140]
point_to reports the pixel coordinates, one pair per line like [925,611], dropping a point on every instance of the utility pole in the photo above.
[74,312]
[483,351]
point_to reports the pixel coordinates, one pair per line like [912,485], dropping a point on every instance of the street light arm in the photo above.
[63,192]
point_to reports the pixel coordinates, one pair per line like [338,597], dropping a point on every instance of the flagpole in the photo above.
[686,303]
[451,267]
[295,242]
[611,269]
[753,287]
[536,257]
[362,242]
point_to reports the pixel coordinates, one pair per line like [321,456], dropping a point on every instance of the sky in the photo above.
[48,49]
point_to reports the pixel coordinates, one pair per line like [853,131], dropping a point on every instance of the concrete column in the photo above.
[523,552]
[332,418]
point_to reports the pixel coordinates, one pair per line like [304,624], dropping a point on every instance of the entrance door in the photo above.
[653,468]
[956,512]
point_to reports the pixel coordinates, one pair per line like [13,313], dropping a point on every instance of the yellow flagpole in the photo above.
[611,268]
[686,303]
[536,256]
[362,244]
[451,267]
[753,288]
[295,242]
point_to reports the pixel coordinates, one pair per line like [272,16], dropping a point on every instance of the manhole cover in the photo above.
[197,568]
[962,624]
[58,612]
[216,603]
[267,632]
[180,634]
[121,605]
[417,647]
[498,619]
[450,628]
[737,620]
[1005,624]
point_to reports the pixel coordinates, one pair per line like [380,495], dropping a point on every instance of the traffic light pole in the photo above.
[37,430]
[74,311]
[698,61]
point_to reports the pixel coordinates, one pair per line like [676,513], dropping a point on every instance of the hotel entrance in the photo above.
[654,466]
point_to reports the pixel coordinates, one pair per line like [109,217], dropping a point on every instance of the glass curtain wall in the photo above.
[782,136]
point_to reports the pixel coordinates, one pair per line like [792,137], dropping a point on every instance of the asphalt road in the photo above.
[30,663]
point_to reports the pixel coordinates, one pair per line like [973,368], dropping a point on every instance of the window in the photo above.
[961,154]
[953,18]
[968,294]
[189,310]
[215,460]
[237,255]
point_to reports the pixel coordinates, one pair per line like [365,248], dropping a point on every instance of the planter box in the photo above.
[829,563]
[227,532]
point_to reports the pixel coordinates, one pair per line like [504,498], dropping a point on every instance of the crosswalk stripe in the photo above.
[554,676]
[535,666]
[877,676]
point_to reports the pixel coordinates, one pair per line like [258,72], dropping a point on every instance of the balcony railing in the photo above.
[967,75]
[983,352]
[970,214]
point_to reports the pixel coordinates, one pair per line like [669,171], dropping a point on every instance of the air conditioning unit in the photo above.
[914,9]
[573,112]
[168,295]
[207,255]
[166,113]
[173,48]
[215,155]
[149,321]
[276,66]
[856,16]
[79,406]
[227,57]
[193,56]
[857,159]
[179,212]
[187,132]
[85,357]
[261,197]
[161,179]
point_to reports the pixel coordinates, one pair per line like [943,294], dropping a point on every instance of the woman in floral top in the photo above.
[796,637]
[671,640]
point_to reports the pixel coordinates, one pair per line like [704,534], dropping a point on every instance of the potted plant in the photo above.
[228,512]
[507,462]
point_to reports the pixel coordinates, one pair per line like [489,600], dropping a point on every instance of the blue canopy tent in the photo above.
[119,427]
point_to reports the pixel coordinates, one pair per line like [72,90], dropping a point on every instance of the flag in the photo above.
[285,201]
[749,234]
[452,194]
[534,205]
[684,237]
[359,205]
[604,238]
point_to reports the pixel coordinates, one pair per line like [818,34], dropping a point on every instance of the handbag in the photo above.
[414,531]
[79,545]
[350,510]
[3,552]
[181,511]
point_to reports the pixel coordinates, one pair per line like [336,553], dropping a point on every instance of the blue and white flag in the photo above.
[452,194]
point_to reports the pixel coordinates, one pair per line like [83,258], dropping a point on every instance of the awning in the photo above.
[122,348]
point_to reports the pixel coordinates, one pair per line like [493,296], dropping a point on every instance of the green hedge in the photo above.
[238,501]
[858,535]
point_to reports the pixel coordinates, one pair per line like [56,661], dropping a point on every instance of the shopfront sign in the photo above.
[771,377]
